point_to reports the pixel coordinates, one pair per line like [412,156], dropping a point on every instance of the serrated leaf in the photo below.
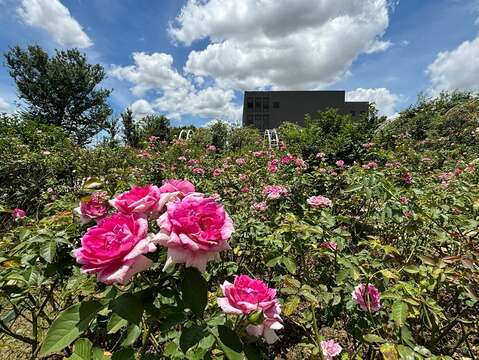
[48,250]
[82,350]
[291,305]
[124,354]
[405,352]
[68,326]
[289,264]
[399,313]
[194,290]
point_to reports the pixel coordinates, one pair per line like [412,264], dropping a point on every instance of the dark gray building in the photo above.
[268,109]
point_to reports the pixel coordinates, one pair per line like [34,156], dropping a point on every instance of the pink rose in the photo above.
[18,213]
[174,185]
[330,245]
[368,145]
[194,230]
[211,148]
[217,172]
[260,207]
[340,163]
[319,201]
[240,161]
[407,179]
[198,171]
[140,200]
[114,248]
[273,192]
[367,297]
[245,189]
[371,165]
[330,349]
[95,207]
[243,177]
[247,295]
[258,153]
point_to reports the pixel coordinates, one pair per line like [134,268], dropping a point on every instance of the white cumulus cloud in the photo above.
[5,107]
[285,44]
[457,69]
[174,94]
[385,101]
[55,18]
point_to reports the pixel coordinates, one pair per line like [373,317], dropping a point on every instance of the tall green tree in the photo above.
[131,131]
[61,90]
[156,125]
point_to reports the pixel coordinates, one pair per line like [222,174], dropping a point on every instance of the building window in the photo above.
[257,104]
[265,104]
[249,120]
[276,105]
[249,104]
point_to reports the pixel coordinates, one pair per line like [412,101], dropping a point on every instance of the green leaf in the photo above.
[195,291]
[388,351]
[132,335]
[129,307]
[399,313]
[191,336]
[82,350]
[230,343]
[289,264]
[291,305]
[99,354]
[48,250]
[68,326]
[405,352]
[124,354]
[115,323]
[372,338]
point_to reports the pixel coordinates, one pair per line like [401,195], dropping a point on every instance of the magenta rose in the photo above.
[18,213]
[114,248]
[247,295]
[94,208]
[367,297]
[174,185]
[140,200]
[194,230]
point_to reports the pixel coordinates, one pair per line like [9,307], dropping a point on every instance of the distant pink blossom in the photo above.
[192,162]
[368,145]
[198,171]
[446,176]
[195,230]
[321,156]
[367,297]
[319,201]
[217,172]
[371,165]
[114,249]
[244,189]
[330,349]
[403,200]
[287,159]
[211,148]
[330,245]
[300,163]
[272,168]
[340,163]
[93,208]
[273,192]
[258,153]
[261,206]
[407,179]
[242,177]
[240,161]
[246,296]
[18,213]
[140,200]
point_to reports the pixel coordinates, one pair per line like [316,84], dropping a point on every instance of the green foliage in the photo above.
[61,90]
[219,134]
[131,130]
[157,126]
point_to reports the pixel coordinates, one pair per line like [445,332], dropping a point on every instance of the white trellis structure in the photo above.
[271,135]
[185,134]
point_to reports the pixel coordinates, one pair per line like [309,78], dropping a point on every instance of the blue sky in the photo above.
[191,60]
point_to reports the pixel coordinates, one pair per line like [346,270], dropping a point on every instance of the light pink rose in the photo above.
[330,349]
[217,172]
[273,192]
[340,163]
[114,248]
[140,200]
[240,161]
[371,165]
[194,230]
[247,295]
[319,201]
[368,145]
[258,153]
[260,207]
[211,148]
[198,171]
[367,297]
[174,185]
[95,208]
[18,213]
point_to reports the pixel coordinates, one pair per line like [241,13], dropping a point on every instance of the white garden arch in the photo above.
[185,134]
[271,135]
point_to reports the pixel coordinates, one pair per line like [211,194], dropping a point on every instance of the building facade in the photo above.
[268,109]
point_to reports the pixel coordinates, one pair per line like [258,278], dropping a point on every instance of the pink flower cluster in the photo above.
[319,201]
[273,192]
[247,296]
[194,228]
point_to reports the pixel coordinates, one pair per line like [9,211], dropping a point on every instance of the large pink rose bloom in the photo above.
[140,200]
[194,230]
[247,295]
[95,207]
[367,297]
[114,248]
[319,201]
